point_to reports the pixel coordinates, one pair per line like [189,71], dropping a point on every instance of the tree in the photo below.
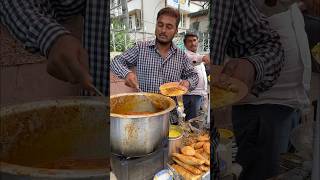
[119,36]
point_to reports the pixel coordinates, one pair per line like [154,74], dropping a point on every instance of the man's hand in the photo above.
[68,61]
[131,80]
[206,59]
[240,69]
[185,83]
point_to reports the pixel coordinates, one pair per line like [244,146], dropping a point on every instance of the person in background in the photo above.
[262,124]
[157,61]
[256,55]
[36,23]
[193,100]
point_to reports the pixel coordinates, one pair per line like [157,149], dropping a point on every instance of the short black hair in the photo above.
[170,12]
[189,34]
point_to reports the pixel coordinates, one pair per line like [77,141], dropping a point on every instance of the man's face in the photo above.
[191,43]
[165,29]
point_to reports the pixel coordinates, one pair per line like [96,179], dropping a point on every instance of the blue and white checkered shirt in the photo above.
[152,70]
[241,31]
[35,24]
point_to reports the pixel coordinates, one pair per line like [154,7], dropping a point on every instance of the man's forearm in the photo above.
[262,46]
[118,68]
[120,64]
[267,70]
[193,84]
[193,80]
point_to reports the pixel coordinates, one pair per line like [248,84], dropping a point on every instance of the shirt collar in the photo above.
[173,47]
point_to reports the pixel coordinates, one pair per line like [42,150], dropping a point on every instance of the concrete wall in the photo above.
[204,23]
[150,10]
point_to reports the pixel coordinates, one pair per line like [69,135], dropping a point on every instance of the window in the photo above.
[182,21]
[137,23]
[138,19]
[195,25]
[130,22]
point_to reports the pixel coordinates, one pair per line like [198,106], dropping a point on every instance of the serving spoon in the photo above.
[97,91]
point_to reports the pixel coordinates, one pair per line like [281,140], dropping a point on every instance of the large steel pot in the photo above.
[38,133]
[139,134]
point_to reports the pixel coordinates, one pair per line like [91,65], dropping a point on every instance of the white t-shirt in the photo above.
[293,85]
[202,86]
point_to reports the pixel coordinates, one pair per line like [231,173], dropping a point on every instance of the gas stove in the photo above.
[140,168]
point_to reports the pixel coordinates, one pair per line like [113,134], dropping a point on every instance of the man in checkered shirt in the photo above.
[36,24]
[256,54]
[158,61]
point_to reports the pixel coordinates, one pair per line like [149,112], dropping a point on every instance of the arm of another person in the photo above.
[256,50]
[189,76]
[205,59]
[120,66]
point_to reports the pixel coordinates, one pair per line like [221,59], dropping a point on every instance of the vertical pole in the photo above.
[113,38]
[125,36]
[135,34]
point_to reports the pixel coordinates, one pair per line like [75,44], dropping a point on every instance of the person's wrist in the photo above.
[56,43]
[128,74]
[251,66]
[49,35]
[258,66]
[188,84]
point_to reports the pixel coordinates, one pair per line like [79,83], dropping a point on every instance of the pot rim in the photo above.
[170,108]
[49,102]
[50,173]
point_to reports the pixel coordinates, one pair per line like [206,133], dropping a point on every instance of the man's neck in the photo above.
[163,47]
[192,51]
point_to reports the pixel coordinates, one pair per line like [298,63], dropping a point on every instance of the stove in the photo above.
[141,168]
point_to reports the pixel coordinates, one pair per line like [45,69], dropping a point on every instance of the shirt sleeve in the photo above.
[35,24]
[120,64]
[194,56]
[241,31]
[258,43]
[189,73]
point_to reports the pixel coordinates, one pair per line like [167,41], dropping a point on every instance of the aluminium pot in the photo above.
[36,135]
[139,123]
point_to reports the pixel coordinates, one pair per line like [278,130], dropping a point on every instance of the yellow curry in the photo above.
[173,133]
